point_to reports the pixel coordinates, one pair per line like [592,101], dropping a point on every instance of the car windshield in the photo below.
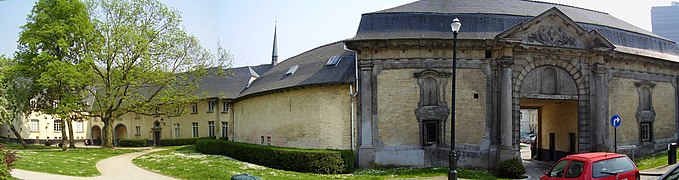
[611,167]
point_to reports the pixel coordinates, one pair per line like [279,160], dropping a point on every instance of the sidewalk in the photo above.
[657,171]
[116,167]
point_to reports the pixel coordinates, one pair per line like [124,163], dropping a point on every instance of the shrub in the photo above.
[177,142]
[511,168]
[6,162]
[133,142]
[47,143]
[292,159]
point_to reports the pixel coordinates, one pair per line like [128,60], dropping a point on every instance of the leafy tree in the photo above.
[52,53]
[144,61]
[15,96]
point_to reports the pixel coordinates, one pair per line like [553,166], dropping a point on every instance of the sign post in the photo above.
[615,122]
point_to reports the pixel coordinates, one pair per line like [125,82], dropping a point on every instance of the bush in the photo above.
[47,143]
[511,168]
[300,160]
[181,141]
[7,159]
[133,142]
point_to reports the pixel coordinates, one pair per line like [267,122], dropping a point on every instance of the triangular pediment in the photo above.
[554,28]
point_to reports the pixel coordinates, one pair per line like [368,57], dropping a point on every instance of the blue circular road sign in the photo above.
[616,120]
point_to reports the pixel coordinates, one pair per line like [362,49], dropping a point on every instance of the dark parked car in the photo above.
[671,174]
[599,166]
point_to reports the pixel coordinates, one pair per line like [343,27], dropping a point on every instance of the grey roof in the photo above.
[312,70]
[227,83]
[484,19]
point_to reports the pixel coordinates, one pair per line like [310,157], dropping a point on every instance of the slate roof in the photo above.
[483,19]
[229,84]
[312,70]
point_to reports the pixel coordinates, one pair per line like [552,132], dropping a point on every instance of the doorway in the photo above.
[121,133]
[557,127]
[96,135]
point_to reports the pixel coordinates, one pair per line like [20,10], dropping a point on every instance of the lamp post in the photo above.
[452,161]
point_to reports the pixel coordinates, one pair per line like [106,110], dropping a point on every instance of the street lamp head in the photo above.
[455,25]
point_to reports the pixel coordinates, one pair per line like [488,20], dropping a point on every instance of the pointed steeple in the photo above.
[274,54]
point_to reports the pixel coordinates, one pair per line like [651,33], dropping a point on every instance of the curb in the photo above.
[643,173]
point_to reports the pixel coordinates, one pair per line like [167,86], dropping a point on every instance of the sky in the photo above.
[245,27]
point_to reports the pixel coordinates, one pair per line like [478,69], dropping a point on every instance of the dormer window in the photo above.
[292,70]
[333,61]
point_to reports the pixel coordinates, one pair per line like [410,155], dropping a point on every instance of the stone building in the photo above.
[577,66]
[386,92]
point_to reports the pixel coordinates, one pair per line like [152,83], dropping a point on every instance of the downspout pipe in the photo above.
[353,95]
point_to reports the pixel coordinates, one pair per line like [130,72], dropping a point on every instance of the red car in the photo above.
[599,165]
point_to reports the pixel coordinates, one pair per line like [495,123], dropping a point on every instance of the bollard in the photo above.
[672,153]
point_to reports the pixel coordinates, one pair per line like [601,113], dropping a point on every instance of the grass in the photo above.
[74,162]
[185,163]
[652,161]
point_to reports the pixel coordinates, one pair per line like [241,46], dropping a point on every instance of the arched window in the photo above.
[645,99]
[430,92]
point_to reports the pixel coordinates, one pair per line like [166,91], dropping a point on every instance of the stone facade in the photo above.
[314,117]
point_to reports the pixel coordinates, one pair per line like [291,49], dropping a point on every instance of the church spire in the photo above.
[274,54]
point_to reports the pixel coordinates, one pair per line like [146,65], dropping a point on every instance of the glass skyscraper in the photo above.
[665,21]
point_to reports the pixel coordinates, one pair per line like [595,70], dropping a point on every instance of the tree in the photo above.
[144,61]
[52,53]
[15,97]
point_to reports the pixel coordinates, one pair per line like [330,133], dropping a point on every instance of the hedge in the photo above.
[133,142]
[180,141]
[291,159]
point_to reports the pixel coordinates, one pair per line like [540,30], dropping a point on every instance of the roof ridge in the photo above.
[571,6]
[325,45]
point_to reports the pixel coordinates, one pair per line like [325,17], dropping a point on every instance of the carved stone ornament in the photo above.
[551,36]
[645,116]
[432,113]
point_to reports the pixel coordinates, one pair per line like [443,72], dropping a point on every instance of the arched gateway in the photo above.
[564,62]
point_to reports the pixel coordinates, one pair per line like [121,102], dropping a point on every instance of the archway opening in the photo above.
[96,135]
[549,102]
[121,133]
[555,125]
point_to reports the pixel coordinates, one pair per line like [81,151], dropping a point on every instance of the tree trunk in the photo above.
[108,133]
[21,140]
[64,138]
[71,141]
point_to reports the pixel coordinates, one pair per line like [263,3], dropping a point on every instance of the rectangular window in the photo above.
[176,130]
[34,125]
[211,106]
[225,107]
[195,129]
[268,140]
[430,132]
[225,129]
[137,129]
[646,132]
[210,128]
[194,108]
[137,115]
[262,143]
[57,125]
[79,127]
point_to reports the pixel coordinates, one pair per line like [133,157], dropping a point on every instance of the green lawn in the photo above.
[652,161]
[74,162]
[186,163]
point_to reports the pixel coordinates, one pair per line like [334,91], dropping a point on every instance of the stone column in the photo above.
[366,150]
[600,134]
[506,119]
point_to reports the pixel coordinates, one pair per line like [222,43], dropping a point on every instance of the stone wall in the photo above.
[313,117]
